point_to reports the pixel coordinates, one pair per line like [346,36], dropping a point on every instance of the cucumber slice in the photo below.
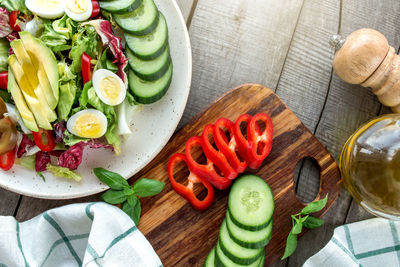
[222,260]
[141,21]
[147,92]
[251,203]
[149,70]
[246,238]
[210,260]
[120,6]
[234,251]
[152,45]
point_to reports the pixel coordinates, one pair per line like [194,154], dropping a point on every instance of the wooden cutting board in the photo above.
[183,236]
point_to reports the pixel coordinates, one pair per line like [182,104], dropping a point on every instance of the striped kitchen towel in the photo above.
[87,234]
[373,242]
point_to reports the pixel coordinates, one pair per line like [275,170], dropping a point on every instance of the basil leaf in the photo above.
[132,211]
[113,197]
[112,179]
[315,206]
[132,200]
[291,245]
[312,222]
[297,228]
[147,187]
[128,191]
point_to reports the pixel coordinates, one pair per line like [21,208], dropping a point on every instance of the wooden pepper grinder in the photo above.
[366,58]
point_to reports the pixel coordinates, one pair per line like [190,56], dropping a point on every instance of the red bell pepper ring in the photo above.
[86,68]
[44,139]
[7,159]
[241,140]
[12,20]
[95,9]
[260,142]
[215,155]
[187,191]
[3,80]
[206,171]
[228,146]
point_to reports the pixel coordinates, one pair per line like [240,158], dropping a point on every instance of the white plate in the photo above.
[152,129]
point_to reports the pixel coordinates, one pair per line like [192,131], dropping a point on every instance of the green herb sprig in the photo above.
[303,219]
[121,192]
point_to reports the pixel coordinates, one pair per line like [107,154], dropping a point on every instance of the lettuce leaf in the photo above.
[12,5]
[63,172]
[27,162]
[70,139]
[85,40]
[4,46]
[68,90]
[56,41]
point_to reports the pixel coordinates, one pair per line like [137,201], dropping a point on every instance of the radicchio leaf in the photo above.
[5,28]
[42,158]
[72,158]
[95,144]
[26,143]
[59,129]
[103,29]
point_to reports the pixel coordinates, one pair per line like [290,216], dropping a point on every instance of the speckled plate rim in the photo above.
[179,110]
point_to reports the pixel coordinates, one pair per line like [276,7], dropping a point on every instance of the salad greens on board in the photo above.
[73,73]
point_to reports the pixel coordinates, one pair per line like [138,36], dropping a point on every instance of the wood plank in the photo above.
[235,42]
[9,202]
[170,223]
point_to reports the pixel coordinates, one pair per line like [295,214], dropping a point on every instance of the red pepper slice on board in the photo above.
[260,142]
[86,68]
[7,159]
[187,191]
[216,156]
[206,171]
[241,140]
[3,80]
[228,146]
[96,9]
[44,139]
[12,20]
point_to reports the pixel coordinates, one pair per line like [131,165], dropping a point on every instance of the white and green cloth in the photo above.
[374,242]
[88,234]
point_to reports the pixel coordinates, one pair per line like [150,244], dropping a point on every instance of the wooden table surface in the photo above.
[282,44]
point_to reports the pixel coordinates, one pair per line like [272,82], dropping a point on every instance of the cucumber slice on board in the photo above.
[234,251]
[222,260]
[141,21]
[149,70]
[251,203]
[246,238]
[147,92]
[120,6]
[152,45]
[210,260]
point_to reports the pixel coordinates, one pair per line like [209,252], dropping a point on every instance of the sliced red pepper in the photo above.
[206,171]
[187,191]
[44,139]
[241,140]
[3,80]
[260,142]
[7,160]
[228,146]
[12,20]
[96,9]
[86,68]
[216,156]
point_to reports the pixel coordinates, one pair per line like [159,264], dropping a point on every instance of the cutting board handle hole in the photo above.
[307,179]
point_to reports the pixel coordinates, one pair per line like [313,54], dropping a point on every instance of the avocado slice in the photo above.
[26,114]
[31,100]
[30,72]
[46,64]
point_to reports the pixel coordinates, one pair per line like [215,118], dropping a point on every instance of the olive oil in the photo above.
[370,165]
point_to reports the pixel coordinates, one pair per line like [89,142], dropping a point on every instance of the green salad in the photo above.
[73,73]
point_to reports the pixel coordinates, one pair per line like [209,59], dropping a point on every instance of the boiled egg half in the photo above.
[78,10]
[109,87]
[48,9]
[88,123]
